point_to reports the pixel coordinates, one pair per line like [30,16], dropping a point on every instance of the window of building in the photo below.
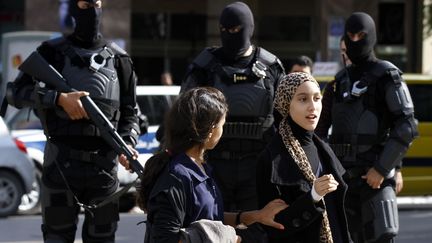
[11,16]
[391,23]
[285,28]
[151,69]
[176,26]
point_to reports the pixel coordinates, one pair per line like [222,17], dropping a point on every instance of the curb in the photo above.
[424,202]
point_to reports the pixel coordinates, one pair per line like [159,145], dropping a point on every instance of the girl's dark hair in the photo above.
[188,123]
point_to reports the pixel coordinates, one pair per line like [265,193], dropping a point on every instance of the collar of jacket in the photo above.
[192,168]
[286,172]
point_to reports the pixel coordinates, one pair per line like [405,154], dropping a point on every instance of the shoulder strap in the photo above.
[206,59]
[117,49]
[341,74]
[207,62]
[383,67]
[268,58]
[62,45]
[265,56]
[56,42]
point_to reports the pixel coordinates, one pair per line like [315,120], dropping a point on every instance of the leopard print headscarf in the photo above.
[284,95]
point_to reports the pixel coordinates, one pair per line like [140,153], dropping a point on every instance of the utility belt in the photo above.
[351,147]
[101,158]
[243,130]
[235,149]
[349,154]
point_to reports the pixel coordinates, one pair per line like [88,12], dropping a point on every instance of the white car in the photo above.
[17,172]
[153,101]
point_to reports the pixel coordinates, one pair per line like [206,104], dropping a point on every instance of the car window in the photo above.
[422,99]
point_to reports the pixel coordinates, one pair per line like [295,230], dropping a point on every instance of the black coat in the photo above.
[278,176]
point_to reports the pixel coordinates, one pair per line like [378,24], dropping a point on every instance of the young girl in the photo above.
[302,170]
[177,188]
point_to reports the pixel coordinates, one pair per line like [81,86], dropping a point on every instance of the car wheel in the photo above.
[31,202]
[11,191]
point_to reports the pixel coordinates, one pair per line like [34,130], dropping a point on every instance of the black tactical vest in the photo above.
[249,92]
[358,122]
[93,71]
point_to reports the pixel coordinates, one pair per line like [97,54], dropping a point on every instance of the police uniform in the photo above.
[248,82]
[79,167]
[372,118]
[249,89]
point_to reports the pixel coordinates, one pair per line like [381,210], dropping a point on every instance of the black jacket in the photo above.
[278,176]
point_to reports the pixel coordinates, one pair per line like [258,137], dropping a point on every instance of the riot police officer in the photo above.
[247,76]
[373,125]
[80,169]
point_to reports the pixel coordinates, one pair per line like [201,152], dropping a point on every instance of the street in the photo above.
[415,226]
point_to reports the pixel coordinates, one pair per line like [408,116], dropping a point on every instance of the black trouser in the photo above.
[362,213]
[90,184]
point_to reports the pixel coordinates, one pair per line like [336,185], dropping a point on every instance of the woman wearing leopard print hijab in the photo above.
[302,170]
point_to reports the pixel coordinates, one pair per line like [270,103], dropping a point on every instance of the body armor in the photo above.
[92,71]
[360,115]
[249,92]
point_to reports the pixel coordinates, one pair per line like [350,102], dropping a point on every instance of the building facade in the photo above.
[165,35]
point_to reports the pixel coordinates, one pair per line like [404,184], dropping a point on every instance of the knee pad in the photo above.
[59,214]
[380,215]
[59,210]
[103,222]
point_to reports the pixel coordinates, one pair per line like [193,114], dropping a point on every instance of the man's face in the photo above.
[343,53]
[356,36]
[86,5]
[232,30]
[236,25]
[360,37]
[299,68]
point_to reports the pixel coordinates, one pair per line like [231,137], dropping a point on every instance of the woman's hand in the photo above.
[267,214]
[325,184]
[238,239]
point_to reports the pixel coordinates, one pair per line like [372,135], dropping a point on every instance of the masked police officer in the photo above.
[373,124]
[247,75]
[79,167]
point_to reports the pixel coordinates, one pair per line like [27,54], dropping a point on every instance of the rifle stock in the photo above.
[36,66]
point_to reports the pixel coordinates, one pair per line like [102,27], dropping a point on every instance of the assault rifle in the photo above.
[36,66]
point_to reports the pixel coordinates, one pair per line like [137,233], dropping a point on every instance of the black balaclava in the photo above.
[86,22]
[362,50]
[235,45]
